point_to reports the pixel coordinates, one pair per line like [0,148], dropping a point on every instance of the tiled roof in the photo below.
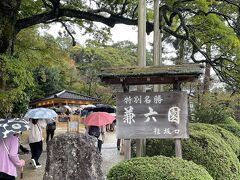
[65,94]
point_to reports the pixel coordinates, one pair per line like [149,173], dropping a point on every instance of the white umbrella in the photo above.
[68,107]
[41,113]
[90,105]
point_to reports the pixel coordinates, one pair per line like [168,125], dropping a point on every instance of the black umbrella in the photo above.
[12,126]
[86,110]
[104,108]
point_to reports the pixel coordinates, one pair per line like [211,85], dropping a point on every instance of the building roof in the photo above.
[166,74]
[65,94]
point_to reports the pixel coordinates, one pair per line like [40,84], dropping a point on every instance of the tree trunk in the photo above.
[140,143]
[181,52]
[8,16]
[238,24]
[207,75]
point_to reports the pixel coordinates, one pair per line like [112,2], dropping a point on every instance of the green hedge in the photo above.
[218,132]
[158,167]
[209,145]
[231,125]
[213,153]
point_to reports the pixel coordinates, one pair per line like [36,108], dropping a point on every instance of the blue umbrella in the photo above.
[41,113]
[12,126]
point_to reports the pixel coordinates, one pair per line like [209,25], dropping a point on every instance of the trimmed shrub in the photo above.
[213,153]
[231,125]
[158,167]
[209,145]
[218,132]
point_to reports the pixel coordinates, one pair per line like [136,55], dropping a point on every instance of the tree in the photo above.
[21,71]
[189,20]
[95,56]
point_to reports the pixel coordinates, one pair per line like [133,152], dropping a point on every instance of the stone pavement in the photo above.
[110,156]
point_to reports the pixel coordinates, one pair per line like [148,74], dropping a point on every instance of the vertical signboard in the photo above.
[152,115]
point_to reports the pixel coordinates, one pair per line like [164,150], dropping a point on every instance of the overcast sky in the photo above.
[119,33]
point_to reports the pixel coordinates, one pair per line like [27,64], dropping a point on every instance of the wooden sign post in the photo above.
[127,142]
[142,115]
[178,145]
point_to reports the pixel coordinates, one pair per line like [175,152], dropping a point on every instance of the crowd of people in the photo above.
[10,146]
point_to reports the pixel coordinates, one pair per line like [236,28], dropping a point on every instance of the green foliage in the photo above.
[212,153]
[209,145]
[48,80]
[231,125]
[158,167]
[39,67]
[29,8]
[92,58]
[98,56]
[203,21]
[220,133]
[50,66]
[39,50]
[17,78]
[212,108]
[105,94]
[20,105]
[215,27]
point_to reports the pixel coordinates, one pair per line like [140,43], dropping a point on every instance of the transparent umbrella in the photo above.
[41,113]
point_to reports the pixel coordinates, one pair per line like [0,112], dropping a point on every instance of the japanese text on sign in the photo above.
[156,115]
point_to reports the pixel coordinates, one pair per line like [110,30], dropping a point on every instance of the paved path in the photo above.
[110,156]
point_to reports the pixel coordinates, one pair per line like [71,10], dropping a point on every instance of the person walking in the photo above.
[35,140]
[50,129]
[101,138]
[118,144]
[99,133]
[9,158]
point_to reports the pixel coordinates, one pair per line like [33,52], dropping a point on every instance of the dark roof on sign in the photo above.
[65,94]
[166,74]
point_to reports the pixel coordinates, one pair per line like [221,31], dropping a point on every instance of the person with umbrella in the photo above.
[35,139]
[97,132]
[50,129]
[105,108]
[10,161]
[95,122]
[38,117]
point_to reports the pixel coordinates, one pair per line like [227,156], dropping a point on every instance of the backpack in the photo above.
[34,121]
[94,131]
[51,126]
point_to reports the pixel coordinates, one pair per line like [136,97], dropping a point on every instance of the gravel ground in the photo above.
[110,156]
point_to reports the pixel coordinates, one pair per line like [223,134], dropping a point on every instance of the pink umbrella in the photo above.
[99,119]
